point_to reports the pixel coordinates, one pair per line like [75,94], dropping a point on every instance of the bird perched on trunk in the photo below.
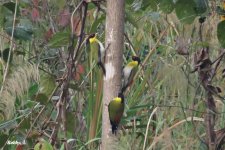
[129,71]
[97,45]
[222,17]
[116,109]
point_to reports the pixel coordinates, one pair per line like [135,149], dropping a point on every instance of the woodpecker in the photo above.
[116,109]
[129,71]
[97,45]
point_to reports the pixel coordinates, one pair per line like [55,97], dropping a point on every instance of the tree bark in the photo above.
[114,41]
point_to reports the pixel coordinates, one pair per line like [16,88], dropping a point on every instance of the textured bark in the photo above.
[113,63]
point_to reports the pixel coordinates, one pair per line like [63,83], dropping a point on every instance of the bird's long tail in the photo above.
[114,128]
[124,87]
[100,64]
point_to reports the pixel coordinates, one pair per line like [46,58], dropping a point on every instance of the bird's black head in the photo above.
[90,38]
[91,35]
[121,96]
[136,58]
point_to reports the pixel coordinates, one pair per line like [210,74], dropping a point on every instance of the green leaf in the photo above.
[47,84]
[185,11]
[59,39]
[221,33]
[33,90]
[20,33]
[201,6]
[96,23]
[11,6]
[43,145]
[3,138]
[167,6]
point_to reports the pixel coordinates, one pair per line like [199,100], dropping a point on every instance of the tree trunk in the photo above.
[114,41]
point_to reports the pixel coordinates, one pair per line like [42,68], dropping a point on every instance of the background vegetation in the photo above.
[178,89]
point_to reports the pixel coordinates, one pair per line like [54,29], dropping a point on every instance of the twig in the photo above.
[80,38]
[61,105]
[149,120]
[71,19]
[42,110]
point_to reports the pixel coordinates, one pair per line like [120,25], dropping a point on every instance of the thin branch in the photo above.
[149,120]
[71,19]
[61,105]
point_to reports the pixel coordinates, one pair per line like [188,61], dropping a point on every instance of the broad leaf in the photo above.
[167,6]
[11,6]
[20,33]
[201,6]
[43,145]
[185,11]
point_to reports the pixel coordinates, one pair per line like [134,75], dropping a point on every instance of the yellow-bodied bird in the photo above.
[222,17]
[116,109]
[96,44]
[129,71]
